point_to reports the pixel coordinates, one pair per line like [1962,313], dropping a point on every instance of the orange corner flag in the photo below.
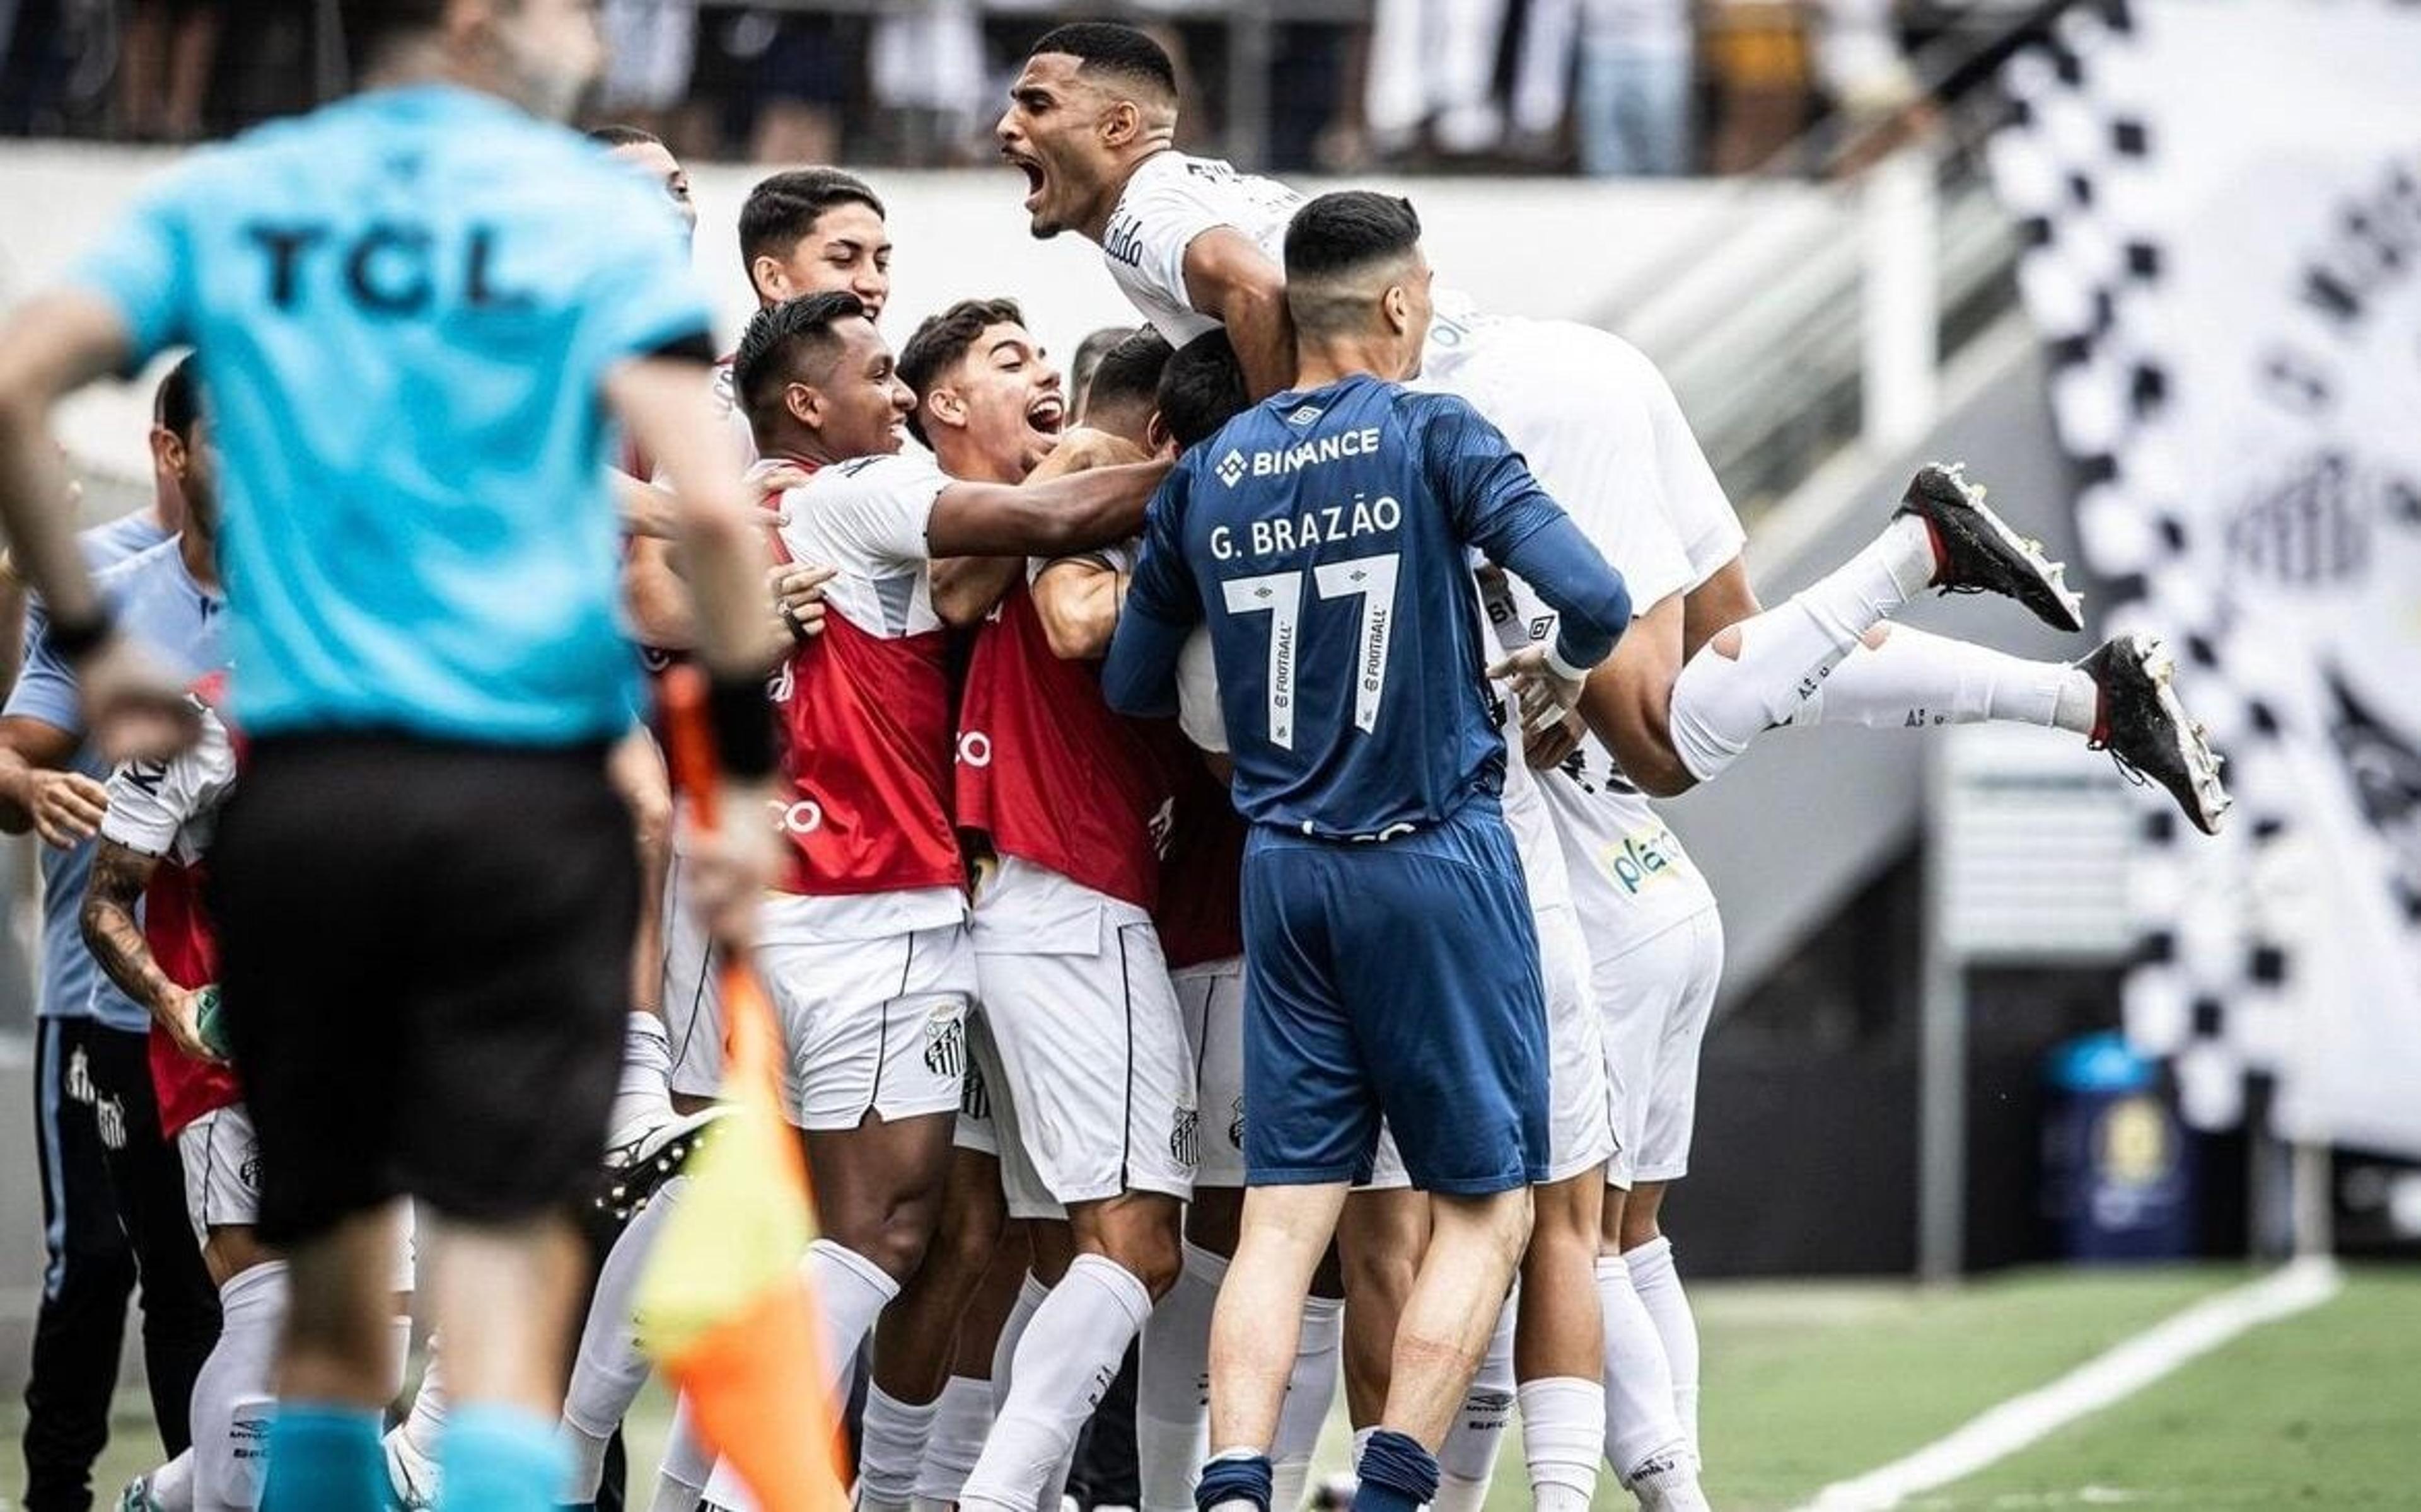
[723,1305]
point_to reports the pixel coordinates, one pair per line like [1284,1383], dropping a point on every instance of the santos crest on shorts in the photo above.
[1324,536]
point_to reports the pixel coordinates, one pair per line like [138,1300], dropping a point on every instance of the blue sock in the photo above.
[324,1456]
[1398,1474]
[1234,1478]
[498,1458]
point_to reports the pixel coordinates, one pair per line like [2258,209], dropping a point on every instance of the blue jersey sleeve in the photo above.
[46,686]
[1163,604]
[145,271]
[1498,505]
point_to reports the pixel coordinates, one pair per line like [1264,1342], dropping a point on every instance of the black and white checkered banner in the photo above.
[2221,202]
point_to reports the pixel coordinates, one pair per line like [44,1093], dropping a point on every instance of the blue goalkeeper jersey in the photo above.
[1325,536]
[404,309]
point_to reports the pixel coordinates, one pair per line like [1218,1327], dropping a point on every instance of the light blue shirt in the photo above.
[159,603]
[404,309]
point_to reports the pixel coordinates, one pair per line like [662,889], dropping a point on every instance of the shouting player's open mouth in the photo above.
[1036,182]
[1047,415]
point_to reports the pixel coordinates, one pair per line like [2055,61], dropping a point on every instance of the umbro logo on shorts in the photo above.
[1236,1124]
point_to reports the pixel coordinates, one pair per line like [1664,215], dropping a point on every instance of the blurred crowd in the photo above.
[1634,88]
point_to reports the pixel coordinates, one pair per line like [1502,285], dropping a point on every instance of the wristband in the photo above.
[1556,664]
[75,639]
[742,720]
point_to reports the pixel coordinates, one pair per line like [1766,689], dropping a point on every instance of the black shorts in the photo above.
[426,960]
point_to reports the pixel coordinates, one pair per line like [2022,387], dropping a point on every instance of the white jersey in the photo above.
[169,808]
[1547,384]
[1629,878]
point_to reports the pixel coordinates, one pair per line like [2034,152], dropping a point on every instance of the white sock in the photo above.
[171,1486]
[609,1367]
[1172,1395]
[1659,1284]
[1361,1441]
[1311,1390]
[1670,1485]
[1640,1424]
[1031,1295]
[1072,1348]
[891,1448]
[234,1390]
[962,1422]
[852,1290]
[643,1095]
[1720,704]
[1467,1459]
[1563,1434]
[1914,680]
[687,1464]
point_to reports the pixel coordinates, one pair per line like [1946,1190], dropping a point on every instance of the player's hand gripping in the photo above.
[1539,689]
[180,1013]
[798,593]
[135,709]
[730,866]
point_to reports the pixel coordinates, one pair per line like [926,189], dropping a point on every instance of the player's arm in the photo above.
[1077,599]
[1054,518]
[36,793]
[1628,701]
[13,602]
[51,347]
[1163,606]
[1230,278]
[966,588]
[111,932]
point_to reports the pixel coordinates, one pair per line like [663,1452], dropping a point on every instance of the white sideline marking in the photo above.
[2125,1370]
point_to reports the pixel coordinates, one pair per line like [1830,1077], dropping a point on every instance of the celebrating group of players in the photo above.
[1218,898]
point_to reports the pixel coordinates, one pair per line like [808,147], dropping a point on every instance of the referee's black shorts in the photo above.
[426,960]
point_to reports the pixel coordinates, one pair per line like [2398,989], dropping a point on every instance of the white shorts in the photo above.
[1096,1093]
[1211,997]
[222,1159]
[872,1025]
[977,1129]
[1583,1124]
[693,995]
[1656,997]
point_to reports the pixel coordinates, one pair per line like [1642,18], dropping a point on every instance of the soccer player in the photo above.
[1095,1098]
[153,841]
[866,951]
[1193,244]
[112,1188]
[1323,537]
[416,370]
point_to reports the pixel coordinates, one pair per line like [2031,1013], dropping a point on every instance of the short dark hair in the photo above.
[1340,232]
[785,207]
[782,339]
[1090,353]
[371,26]
[177,404]
[1129,372]
[941,341]
[1201,389]
[612,137]
[1114,48]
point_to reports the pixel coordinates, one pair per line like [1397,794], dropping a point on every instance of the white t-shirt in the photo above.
[1629,875]
[865,520]
[170,808]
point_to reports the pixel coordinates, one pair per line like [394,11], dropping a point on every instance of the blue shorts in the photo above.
[1397,976]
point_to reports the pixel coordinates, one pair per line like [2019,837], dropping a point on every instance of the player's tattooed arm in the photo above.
[966,588]
[1227,275]
[112,933]
[1053,519]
